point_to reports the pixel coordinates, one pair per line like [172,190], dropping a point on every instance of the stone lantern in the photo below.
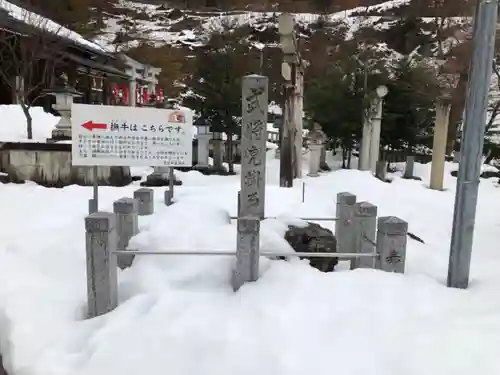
[317,139]
[64,94]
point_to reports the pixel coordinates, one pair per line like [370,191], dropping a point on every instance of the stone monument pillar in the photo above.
[255,102]
[439,143]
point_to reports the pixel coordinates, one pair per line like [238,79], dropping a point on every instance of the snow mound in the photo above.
[13,124]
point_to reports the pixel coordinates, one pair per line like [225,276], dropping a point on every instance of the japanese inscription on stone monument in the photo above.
[253,145]
[130,136]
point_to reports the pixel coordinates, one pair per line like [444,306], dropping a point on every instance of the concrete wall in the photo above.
[49,164]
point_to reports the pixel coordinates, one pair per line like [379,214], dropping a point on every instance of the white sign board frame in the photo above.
[131,136]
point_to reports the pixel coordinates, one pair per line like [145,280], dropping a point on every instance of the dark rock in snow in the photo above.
[490,174]
[314,239]
[156,181]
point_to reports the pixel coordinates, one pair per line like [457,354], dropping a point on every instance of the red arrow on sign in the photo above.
[90,125]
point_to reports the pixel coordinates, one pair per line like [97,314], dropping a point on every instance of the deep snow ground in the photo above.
[178,314]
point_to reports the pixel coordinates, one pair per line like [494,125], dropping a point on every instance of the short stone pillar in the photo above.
[64,95]
[381,170]
[247,252]
[101,242]
[391,244]
[127,225]
[410,167]
[365,222]
[167,197]
[344,228]
[439,144]
[145,197]
[314,159]
[203,150]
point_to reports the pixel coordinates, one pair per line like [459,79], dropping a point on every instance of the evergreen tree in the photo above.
[409,107]
[216,82]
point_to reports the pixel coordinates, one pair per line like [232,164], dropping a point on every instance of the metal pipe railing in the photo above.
[264,254]
[301,218]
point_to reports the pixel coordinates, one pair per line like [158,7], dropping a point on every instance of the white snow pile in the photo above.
[13,124]
[178,315]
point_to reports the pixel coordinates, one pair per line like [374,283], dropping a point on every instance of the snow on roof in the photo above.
[40,22]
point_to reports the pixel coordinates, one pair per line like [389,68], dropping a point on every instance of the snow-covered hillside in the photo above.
[160,25]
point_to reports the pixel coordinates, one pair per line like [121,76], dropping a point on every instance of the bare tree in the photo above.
[29,59]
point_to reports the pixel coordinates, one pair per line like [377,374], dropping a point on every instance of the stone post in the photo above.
[314,159]
[202,150]
[381,170]
[167,196]
[145,197]
[102,284]
[247,252]
[171,181]
[344,228]
[365,222]
[391,244]
[127,226]
[410,166]
[253,145]
[439,144]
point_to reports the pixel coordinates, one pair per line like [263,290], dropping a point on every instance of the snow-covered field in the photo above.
[179,316]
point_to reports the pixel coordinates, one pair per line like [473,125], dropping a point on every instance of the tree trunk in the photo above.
[29,120]
[230,158]
[456,112]
[349,158]
[344,157]
[217,153]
